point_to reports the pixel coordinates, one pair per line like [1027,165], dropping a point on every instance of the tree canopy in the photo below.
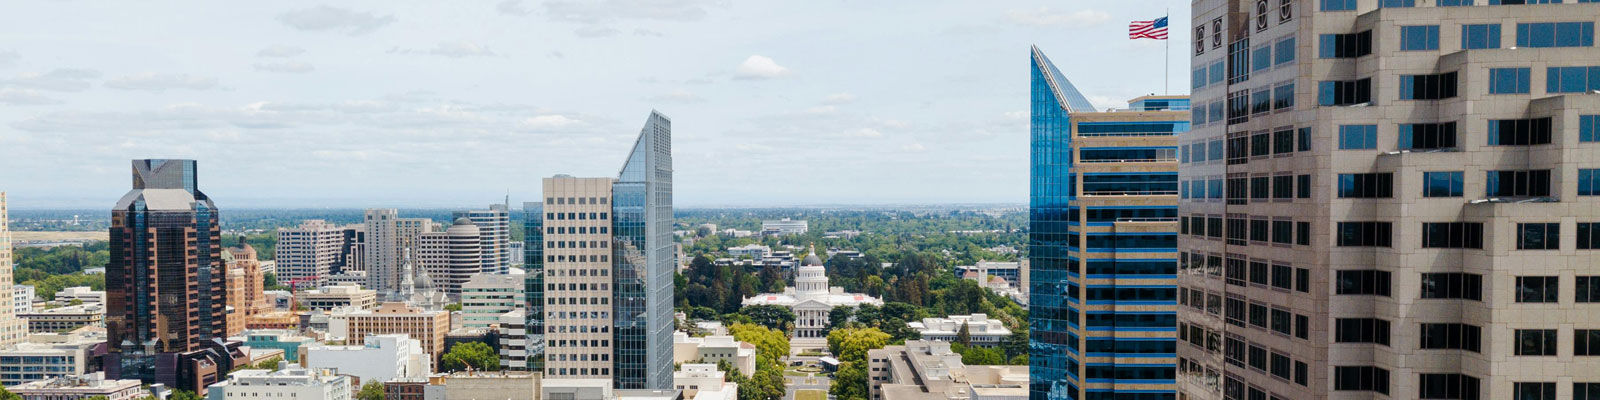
[478,356]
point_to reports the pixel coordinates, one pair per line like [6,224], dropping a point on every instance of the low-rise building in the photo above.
[338,296]
[704,382]
[981,330]
[62,319]
[600,389]
[381,358]
[21,299]
[485,297]
[489,385]
[281,300]
[713,349]
[928,370]
[43,356]
[1010,271]
[78,387]
[428,327]
[784,227]
[514,340]
[289,382]
[291,343]
[348,278]
[279,320]
[753,251]
[83,294]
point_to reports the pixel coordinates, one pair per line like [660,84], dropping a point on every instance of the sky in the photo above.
[452,104]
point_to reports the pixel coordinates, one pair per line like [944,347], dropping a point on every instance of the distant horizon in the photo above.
[517,205]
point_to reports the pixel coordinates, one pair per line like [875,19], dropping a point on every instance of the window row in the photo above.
[1245,190]
[1547,289]
[1241,231]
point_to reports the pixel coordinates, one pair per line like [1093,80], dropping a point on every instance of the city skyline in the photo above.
[372,104]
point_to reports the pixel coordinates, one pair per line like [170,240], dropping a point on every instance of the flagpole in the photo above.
[1166,63]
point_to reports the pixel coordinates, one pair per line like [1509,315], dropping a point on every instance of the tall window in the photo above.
[1572,79]
[1358,137]
[1419,37]
[1442,184]
[1452,235]
[1283,96]
[1428,87]
[1508,80]
[1485,36]
[1283,51]
[1586,390]
[1536,342]
[1589,128]
[1588,235]
[1586,342]
[1341,93]
[1589,182]
[1364,234]
[1555,34]
[1538,289]
[1428,136]
[1539,236]
[1239,61]
[1533,183]
[1519,132]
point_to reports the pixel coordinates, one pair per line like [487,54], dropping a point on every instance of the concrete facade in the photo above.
[1400,189]
[713,350]
[980,329]
[332,297]
[43,356]
[387,239]
[78,387]
[427,327]
[12,329]
[307,254]
[577,278]
[451,257]
[494,232]
[928,370]
[380,359]
[292,381]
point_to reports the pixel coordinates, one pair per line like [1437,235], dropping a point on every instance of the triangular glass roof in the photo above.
[1066,94]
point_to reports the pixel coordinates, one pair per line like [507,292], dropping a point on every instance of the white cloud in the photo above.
[822,110]
[593,11]
[513,7]
[760,67]
[593,31]
[25,97]
[9,58]
[280,51]
[553,121]
[161,82]
[840,98]
[291,67]
[1016,114]
[867,133]
[679,96]
[324,18]
[59,80]
[914,148]
[647,32]
[1044,16]
[457,49]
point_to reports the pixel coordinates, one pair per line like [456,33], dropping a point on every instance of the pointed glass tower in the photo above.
[644,260]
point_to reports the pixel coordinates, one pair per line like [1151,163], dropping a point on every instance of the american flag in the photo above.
[1156,29]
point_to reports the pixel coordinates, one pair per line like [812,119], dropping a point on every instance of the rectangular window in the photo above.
[1589,182]
[1283,187]
[1420,37]
[1428,136]
[1215,149]
[1361,330]
[1538,289]
[1428,87]
[1261,101]
[1283,96]
[1535,183]
[1452,285]
[1486,36]
[1519,132]
[1586,390]
[1341,93]
[1259,188]
[1536,342]
[1283,232]
[1556,34]
[1303,186]
[1586,342]
[1282,278]
[1338,5]
[1344,45]
[1589,128]
[1364,234]
[1302,234]
[1508,80]
[1239,107]
[1283,142]
[1539,236]
[1588,235]
[1397,3]
[1283,51]
[1449,386]
[1442,184]
[1366,186]
[1260,144]
[1452,235]
[1239,61]
[1258,233]
[1261,58]
[1362,282]
[1198,78]
[1305,138]
[1452,337]
[1358,137]
[1572,79]
[1218,72]
[1533,390]
[1361,378]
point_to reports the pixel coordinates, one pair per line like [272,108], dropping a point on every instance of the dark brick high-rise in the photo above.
[166,300]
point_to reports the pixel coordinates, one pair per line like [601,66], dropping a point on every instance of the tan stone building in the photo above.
[928,370]
[330,297]
[577,277]
[245,288]
[1400,201]
[427,327]
[12,328]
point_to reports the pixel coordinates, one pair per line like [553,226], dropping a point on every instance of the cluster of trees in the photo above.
[723,289]
[369,391]
[850,345]
[268,364]
[771,346]
[891,232]
[474,355]
[56,268]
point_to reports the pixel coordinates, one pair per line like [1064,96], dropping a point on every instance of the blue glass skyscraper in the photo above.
[1102,243]
[644,260]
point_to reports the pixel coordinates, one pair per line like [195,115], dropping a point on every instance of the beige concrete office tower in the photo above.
[577,278]
[494,228]
[387,238]
[307,254]
[12,329]
[451,257]
[1391,199]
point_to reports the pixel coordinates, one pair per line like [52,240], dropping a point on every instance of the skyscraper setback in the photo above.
[12,329]
[165,291]
[1391,199]
[607,267]
[1102,234]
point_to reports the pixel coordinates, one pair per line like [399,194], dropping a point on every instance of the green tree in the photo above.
[453,307]
[181,394]
[775,317]
[771,345]
[840,315]
[7,395]
[369,391]
[476,355]
[851,344]
[1020,359]
[850,382]
[964,335]
[1016,344]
